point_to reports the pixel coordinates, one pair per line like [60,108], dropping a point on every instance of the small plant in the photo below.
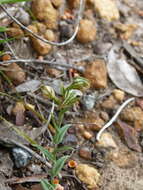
[69,95]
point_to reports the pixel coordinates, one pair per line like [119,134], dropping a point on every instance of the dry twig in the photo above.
[50,63]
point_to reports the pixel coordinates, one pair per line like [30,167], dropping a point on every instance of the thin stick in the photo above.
[81,8]
[18,180]
[113,118]
[50,63]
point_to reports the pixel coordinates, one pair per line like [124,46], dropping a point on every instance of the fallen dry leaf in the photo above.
[28,86]
[123,75]
[129,135]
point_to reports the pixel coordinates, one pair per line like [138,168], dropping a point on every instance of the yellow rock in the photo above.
[107,9]
[44,11]
[88,175]
[119,95]
[96,73]
[41,47]
[87,31]
[49,35]
[109,103]
[57,3]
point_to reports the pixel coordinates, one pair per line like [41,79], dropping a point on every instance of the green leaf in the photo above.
[70,97]
[58,166]
[3,29]
[79,83]
[48,154]
[6,40]
[60,134]
[11,1]
[63,148]
[46,185]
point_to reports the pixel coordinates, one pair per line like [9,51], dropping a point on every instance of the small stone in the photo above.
[41,47]
[92,117]
[53,72]
[23,17]
[36,169]
[41,28]
[119,95]
[49,35]
[96,72]
[104,115]
[57,3]
[88,101]
[44,11]
[132,114]
[107,9]
[21,157]
[106,141]
[16,73]
[109,103]
[70,139]
[123,159]
[88,175]
[101,48]
[65,30]
[87,31]
[87,134]
[85,153]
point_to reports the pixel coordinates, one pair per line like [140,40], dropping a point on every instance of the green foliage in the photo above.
[58,166]
[48,154]
[3,29]
[58,138]
[46,185]
[6,40]
[69,96]
[62,149]
[79,83]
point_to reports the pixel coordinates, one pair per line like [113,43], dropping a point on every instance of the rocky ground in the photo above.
[107,50]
